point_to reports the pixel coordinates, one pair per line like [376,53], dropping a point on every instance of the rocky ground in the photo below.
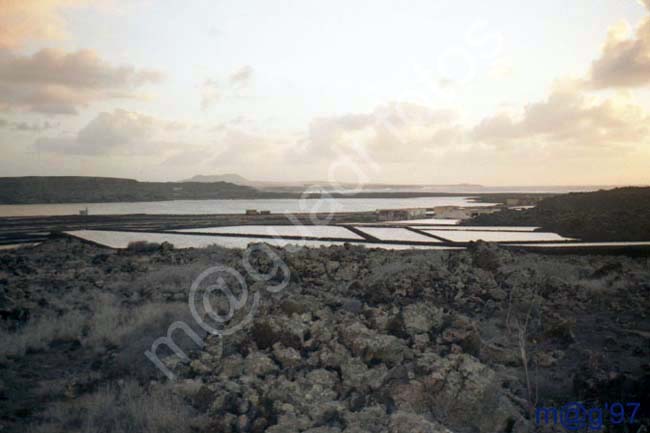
[359,340]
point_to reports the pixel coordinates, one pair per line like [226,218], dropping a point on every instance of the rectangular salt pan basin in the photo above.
[480,228]
[16,246]
[117,239]
[396,234]
[332,232]
[494,236]
[586,244]
[431,221]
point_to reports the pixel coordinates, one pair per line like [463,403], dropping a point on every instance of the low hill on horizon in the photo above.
[620,214]
[226,177]
[84,189]
[292,185]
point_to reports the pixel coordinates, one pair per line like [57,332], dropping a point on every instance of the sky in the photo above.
[426,91]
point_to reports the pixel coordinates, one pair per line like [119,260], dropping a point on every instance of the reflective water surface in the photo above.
[315,231]
[495,236]
[190,207]
[116,239]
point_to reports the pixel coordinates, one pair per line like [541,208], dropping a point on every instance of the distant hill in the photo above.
[228,177]
[299,186]
[621,214]
[241,180]
[80,189]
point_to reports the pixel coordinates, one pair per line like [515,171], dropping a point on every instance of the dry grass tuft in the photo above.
[143,247]
[128,408]
[39,334]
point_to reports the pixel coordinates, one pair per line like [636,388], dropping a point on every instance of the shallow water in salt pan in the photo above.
[315,231]
[117,239]
[495,236]
[396,234]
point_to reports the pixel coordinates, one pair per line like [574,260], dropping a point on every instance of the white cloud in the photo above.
[210,94]
[570,119]
[120,131]
[399,131]
[23,20]
[56,82]
[27,126]
[625,58]
[242,77]
[213,91]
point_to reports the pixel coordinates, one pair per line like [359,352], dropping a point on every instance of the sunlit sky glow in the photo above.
[425,91]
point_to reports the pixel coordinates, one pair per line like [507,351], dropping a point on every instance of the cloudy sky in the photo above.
[424,91]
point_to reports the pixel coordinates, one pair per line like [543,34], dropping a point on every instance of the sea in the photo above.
[236,206]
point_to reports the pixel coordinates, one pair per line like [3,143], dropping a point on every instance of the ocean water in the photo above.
[189,207]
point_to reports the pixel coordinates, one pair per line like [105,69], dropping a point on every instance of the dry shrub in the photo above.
[143,247]
[126,330]
[121,409]
[115,323]
[137,331]
[166,280]
[40,333]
